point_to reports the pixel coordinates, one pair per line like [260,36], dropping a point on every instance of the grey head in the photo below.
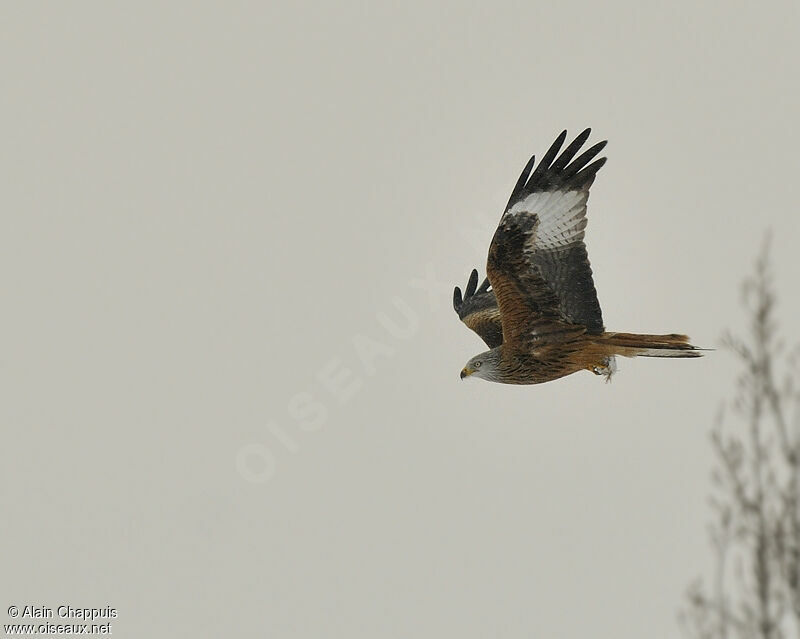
[485,366]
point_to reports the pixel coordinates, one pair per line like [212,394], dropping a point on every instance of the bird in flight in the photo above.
[537,310]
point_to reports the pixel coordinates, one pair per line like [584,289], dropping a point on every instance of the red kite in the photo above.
[538,310]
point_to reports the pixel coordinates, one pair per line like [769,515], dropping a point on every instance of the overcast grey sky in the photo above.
[217,217]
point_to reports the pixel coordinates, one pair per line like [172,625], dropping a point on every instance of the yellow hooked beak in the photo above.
[466,372]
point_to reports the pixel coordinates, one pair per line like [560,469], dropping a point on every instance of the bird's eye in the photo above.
[477,364]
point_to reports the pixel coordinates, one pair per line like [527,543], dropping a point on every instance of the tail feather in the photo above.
[633,345]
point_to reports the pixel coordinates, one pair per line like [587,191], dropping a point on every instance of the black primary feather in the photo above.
[560,172]
[478,310]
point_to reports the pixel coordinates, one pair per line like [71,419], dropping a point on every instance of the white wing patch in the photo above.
[562,217]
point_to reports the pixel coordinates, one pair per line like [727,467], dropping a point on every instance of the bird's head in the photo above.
[484,366]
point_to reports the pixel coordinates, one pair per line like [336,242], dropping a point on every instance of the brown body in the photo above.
[579,351]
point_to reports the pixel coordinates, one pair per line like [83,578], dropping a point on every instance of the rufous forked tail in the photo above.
[635,345]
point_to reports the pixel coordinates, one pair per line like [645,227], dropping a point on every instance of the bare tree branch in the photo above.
[756,498]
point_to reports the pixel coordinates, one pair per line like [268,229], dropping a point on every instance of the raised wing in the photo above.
[538,265]
[478,310]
